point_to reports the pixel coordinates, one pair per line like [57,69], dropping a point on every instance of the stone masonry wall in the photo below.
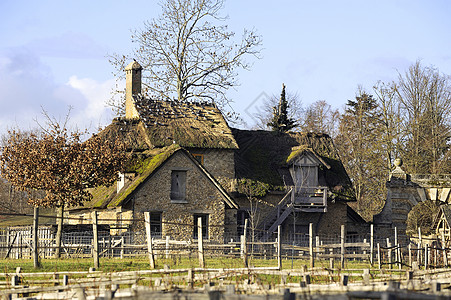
[220,163]
[331,221]
[202,197]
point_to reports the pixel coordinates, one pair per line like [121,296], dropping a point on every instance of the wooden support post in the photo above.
[95,252]
[200,243]
[122,245]
[379,256]
[245,256]
[445,256]
[190,278]
[167,246]
[342,248]
[426,256]
[389,254]
[371,244]
[396,244]
[366,276]
[36,237]
[279,247]
[410,254]
[149,240]
[311,253]
[420,246]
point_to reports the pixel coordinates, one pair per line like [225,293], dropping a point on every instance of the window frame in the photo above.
[178,189]
[205,225]
[198,155]
[156,222]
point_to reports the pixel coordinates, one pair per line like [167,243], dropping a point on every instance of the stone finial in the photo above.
[397,172]
[132,87]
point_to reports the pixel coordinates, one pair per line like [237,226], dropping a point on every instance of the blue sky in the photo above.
[54,53]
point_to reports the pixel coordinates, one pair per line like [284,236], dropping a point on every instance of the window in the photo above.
[204,218]
[241,216]
[307,176]
[155,223]
[178,185]
[199,158]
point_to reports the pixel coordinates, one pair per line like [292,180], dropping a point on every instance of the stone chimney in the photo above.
[132,87]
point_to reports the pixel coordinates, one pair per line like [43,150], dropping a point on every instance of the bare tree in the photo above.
[188,53]
[320,117]
[425,98]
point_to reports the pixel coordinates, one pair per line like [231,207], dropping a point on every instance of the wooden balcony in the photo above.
[310,199]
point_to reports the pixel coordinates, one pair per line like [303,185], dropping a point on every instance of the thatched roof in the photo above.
[107,197]
[189,124]
[163,123]
[265,156]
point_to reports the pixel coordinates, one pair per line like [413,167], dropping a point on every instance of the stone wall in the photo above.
[219,162]
[202,197]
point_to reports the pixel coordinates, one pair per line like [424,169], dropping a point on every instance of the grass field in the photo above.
[142,263]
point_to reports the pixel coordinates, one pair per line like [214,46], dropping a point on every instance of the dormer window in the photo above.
[304,165]
[306,176]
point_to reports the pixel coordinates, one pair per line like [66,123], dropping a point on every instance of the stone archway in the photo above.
[404,191]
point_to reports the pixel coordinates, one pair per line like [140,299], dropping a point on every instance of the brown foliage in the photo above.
[58,162]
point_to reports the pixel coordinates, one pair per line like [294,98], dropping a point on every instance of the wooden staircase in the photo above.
[276,216]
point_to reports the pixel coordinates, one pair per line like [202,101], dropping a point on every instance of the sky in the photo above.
[54,53]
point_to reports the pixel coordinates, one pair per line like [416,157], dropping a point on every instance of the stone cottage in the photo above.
[187,163]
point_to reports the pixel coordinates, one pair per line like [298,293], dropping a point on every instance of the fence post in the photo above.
[389,253]
[379,256]
[371,243]
[420,246]
[398,254]
[342,248]
[95,232]
[167,246]
[410,254]
[396,244]
[246,264]
[311,253]
[426,256]
[36,237]
[149,240]
[279,247]
[200,243]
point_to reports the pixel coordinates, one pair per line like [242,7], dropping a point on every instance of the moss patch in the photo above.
[148,166]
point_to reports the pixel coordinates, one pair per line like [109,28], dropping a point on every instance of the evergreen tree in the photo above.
[280,121]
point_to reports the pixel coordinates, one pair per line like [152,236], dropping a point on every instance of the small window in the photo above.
[204,218]
[199,158]
[178,185]
[155,223]
[241,216]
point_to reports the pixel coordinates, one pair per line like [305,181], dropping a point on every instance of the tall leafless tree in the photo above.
[188,53]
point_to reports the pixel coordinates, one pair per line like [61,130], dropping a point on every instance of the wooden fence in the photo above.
[387,252]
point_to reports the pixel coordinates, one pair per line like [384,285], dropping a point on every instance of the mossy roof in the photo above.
[265,156]
[163,123]
[107,197]
[189,124]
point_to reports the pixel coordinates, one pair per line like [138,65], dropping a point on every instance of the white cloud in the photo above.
[96,94]
[27,87]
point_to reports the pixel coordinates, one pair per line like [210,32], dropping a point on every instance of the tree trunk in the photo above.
[59,232]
